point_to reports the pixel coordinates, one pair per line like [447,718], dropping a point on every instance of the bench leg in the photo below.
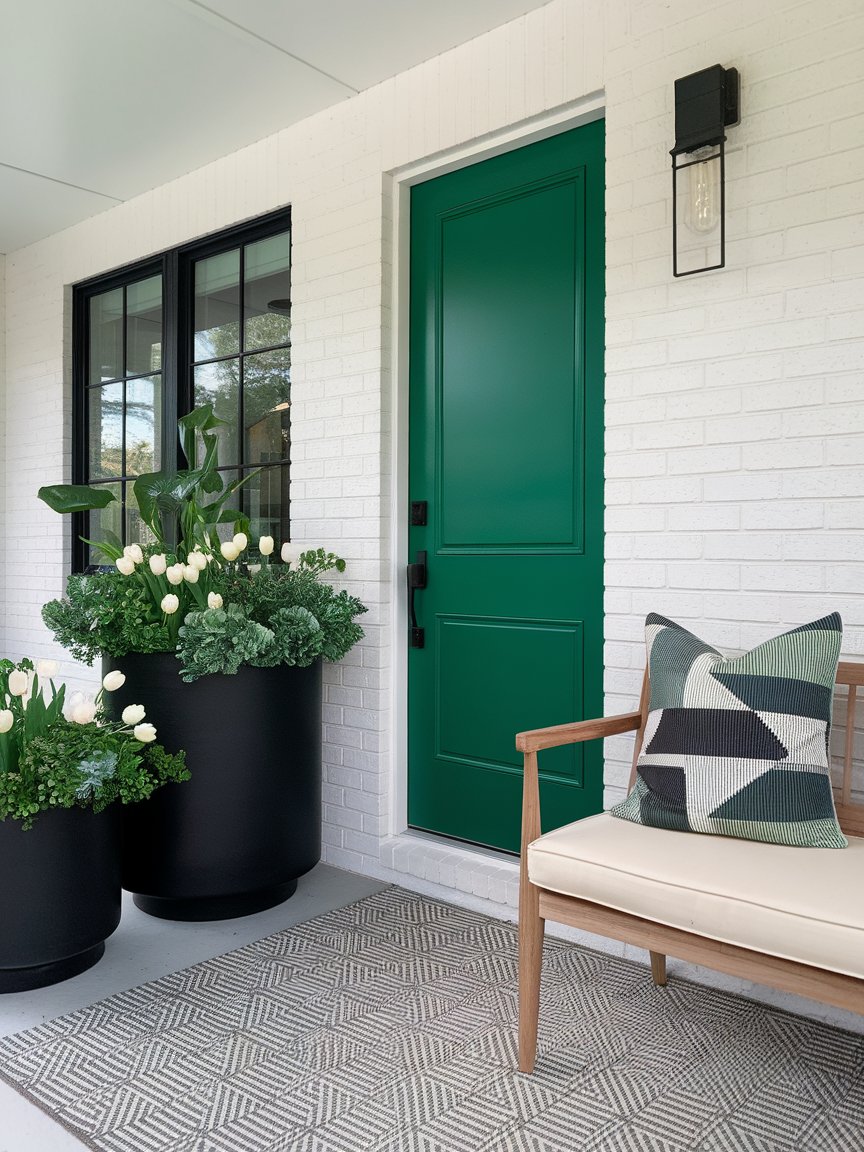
[658,969]
[531,927]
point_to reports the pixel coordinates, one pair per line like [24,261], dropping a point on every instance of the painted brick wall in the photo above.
[735,419]
[734,399]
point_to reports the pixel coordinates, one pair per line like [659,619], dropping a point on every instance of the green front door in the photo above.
[506,453]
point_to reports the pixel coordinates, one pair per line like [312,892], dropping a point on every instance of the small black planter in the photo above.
[233,839]
[59,896]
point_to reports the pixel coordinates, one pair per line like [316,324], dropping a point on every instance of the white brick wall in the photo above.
[735,419]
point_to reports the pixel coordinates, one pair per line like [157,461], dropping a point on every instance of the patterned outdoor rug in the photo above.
[390,1026]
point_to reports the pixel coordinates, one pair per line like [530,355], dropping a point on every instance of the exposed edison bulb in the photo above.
[704,200]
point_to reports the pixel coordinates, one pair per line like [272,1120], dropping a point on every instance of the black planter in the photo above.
[233,839]
[59,896]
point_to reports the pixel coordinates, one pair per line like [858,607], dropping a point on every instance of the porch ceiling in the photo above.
[105,99]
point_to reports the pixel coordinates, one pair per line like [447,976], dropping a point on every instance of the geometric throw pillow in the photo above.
[739,747]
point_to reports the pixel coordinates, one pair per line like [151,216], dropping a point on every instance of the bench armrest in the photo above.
[539,738]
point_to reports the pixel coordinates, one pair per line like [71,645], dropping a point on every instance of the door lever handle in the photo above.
[417,576]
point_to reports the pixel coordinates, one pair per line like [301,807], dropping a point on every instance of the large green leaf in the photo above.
[74,497]
[162,494]
[200,421]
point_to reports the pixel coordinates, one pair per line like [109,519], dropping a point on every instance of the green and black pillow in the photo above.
[739,747]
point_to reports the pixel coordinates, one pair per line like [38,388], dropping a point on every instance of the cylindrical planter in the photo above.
[234,838]
[59,896]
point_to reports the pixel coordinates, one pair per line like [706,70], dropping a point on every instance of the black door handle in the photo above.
[417,575]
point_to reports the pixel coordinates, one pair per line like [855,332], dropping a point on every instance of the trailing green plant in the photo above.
[193,592]
[59,753]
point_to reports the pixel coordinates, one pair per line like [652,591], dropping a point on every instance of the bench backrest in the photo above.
[850,675]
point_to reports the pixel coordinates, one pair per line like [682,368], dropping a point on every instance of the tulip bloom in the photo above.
[214,600]
[158,563]
[6,719]
[133,552]
[45,669]
[229,550]
[113,680]
[19,682]
[190,574]
[175,574]
[291,554]
[146,733]
[170,604]
[240,541]
[198,560]
[84,712]
[133,714]
[266,545]
[125,565]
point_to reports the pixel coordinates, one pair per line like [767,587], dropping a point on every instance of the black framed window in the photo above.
[209,322]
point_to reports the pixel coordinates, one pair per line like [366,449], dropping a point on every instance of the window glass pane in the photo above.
[217,305]
[144,326]
[219,384]
[137,531]
[105,523]
[267,292]
[265,502]
[106,336]
[106,430]
[143,425]
[266,411]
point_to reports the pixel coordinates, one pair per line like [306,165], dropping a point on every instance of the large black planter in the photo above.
[233,839]
[59,895]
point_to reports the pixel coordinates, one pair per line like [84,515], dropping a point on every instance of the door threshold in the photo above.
[442,841]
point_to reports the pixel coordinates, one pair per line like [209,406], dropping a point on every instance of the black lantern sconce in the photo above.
[706,103]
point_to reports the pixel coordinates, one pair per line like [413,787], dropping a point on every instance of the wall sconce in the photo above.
[706,102]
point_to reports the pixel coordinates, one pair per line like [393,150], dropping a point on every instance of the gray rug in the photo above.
[390,1026]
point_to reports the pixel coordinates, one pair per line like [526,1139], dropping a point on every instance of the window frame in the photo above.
[176,267]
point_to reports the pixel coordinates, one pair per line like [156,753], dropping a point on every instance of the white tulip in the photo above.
[229,550]
[198,560]
[170,604]
[113,680]
[19,682]
[190,574]
[158,563]
[6,719]
[133,552]
[146,733]
[133,714]
[254,569]
[291,554]
[45,669]
[125,565]
[214,600]
[266,545]
[240,541]
[84,712]
[175,574]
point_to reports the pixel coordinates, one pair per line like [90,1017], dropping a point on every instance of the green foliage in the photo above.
[47,761]
[105,612]
[157,599]
[220,640]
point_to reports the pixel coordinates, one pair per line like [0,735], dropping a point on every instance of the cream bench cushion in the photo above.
[802,904]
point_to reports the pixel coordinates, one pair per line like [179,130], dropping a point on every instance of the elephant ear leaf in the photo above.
[162,493]
[74,497]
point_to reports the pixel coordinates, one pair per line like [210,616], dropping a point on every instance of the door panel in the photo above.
[506,448]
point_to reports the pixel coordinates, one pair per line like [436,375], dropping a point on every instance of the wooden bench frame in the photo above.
[536,904]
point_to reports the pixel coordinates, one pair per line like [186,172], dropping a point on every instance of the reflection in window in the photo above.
[242,366]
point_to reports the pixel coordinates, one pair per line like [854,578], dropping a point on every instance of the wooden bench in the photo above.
[594,842]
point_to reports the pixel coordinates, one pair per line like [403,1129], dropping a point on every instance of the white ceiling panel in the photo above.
[105,99]
[131,94]
[27,202]
[363,42]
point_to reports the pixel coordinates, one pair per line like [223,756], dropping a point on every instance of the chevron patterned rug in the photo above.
[390,1026]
